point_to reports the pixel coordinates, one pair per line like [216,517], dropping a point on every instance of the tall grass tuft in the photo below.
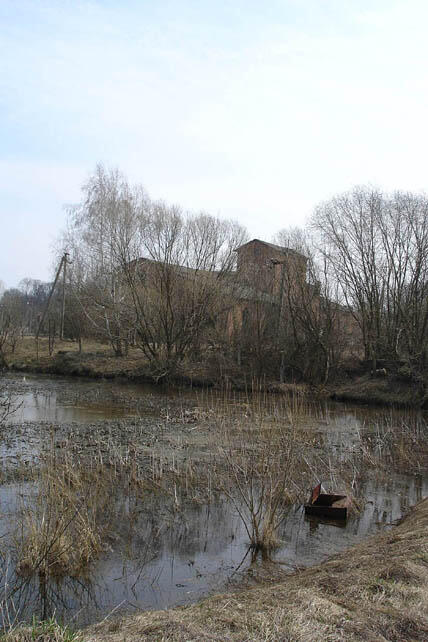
[261,451]
[41,631]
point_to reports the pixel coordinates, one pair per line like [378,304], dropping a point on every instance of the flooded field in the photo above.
[116,498]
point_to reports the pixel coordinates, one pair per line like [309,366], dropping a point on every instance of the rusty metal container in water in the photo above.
[333,506]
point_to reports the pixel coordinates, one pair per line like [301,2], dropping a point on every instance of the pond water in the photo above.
[173,558]
[41,399]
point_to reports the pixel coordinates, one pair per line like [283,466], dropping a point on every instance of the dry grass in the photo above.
[377,591]
[86,497]
[56,544]
[96,360]
[386,391]
[46,631]
[26,348]
[61,530]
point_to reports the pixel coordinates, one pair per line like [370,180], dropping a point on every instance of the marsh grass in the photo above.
[271,460]
[258,480]
[268,455]
[63,525]
[262,453]
[42,631]
[398,443]
[81,502]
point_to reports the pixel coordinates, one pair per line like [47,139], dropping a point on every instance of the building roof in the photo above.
[278,248]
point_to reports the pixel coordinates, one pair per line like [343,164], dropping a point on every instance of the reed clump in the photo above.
[60,531]
[261,454]
[76,505]
[81,502]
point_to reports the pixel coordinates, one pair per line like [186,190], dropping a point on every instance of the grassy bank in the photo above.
[44,631]
[97,361]
[382,391]
[376,591]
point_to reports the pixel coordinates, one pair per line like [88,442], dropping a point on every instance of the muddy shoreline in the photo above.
[387,391]
[98,366]
[356,388]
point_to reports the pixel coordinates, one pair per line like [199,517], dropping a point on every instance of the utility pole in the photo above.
[64,263]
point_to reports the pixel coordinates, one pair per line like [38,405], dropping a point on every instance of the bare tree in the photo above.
[35,294]
[96,227]
[147,272]
[179,280]
[312,325]
[377,247]
[13,314]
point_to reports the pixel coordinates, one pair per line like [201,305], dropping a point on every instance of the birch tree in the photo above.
[147,271]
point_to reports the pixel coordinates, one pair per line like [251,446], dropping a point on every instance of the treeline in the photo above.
[376,247]
[20,312]
[148,275]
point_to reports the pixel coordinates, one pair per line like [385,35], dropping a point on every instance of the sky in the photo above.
[255,111]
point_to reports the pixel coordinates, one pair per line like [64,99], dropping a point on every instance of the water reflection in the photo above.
[47,406]
[168,562]
[160,557]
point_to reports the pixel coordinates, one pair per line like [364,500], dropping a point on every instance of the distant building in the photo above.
[273,297]
[267,296]
[265,263]
[264,272]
